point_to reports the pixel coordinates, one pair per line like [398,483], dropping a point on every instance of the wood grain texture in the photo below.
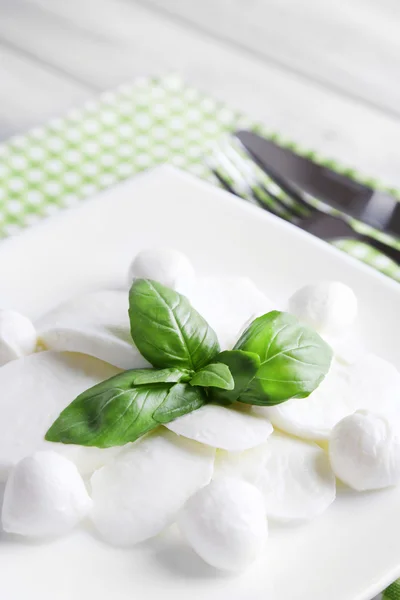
[31,93]
[106,42]
[352,47]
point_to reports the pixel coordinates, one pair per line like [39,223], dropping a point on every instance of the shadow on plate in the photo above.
[181,560]
[173,553]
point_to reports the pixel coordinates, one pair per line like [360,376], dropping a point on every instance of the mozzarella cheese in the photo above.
[44,496]
[17,336]
[364,449]
[142,491]
[168,267]
[34,390]
[225,523]
[228,304]
[294,476]
[366,384]
[231,428]
[329,307]
[96,324]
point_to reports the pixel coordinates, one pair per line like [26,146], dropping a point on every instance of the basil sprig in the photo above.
[275,359]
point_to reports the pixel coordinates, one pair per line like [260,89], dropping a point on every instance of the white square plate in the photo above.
[353,550]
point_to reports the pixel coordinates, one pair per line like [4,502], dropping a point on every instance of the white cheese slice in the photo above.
[142,491]
[296,479]
[230,428]
[371,383]
[96,324]
[227,304]
[247,464]
[34,390]
[294,476]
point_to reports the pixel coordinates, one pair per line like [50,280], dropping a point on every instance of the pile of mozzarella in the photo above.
[220,473]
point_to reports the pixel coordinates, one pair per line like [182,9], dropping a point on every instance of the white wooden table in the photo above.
[323,73]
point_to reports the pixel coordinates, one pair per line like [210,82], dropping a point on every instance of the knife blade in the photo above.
[300,177]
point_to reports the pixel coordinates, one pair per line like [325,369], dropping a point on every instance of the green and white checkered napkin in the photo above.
[110,139]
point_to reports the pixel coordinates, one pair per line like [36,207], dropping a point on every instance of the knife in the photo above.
[300,177]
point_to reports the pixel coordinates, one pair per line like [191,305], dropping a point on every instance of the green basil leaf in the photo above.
[135,377]
[113,416]
[182,399]
[214,375]
[243,367]
[171,375]
[167,330]
[294,359]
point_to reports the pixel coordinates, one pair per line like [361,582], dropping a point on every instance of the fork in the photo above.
[240,177]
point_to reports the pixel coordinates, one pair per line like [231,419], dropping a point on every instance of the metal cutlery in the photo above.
[302,178]
[241,177]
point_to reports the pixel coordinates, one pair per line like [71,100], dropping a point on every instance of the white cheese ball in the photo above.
[329,307]
[167,266]
[225,523]
[44,496]
[364,450]
[17,336]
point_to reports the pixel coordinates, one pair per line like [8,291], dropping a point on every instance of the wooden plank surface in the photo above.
[106,42]
[351,46]
[30,93]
